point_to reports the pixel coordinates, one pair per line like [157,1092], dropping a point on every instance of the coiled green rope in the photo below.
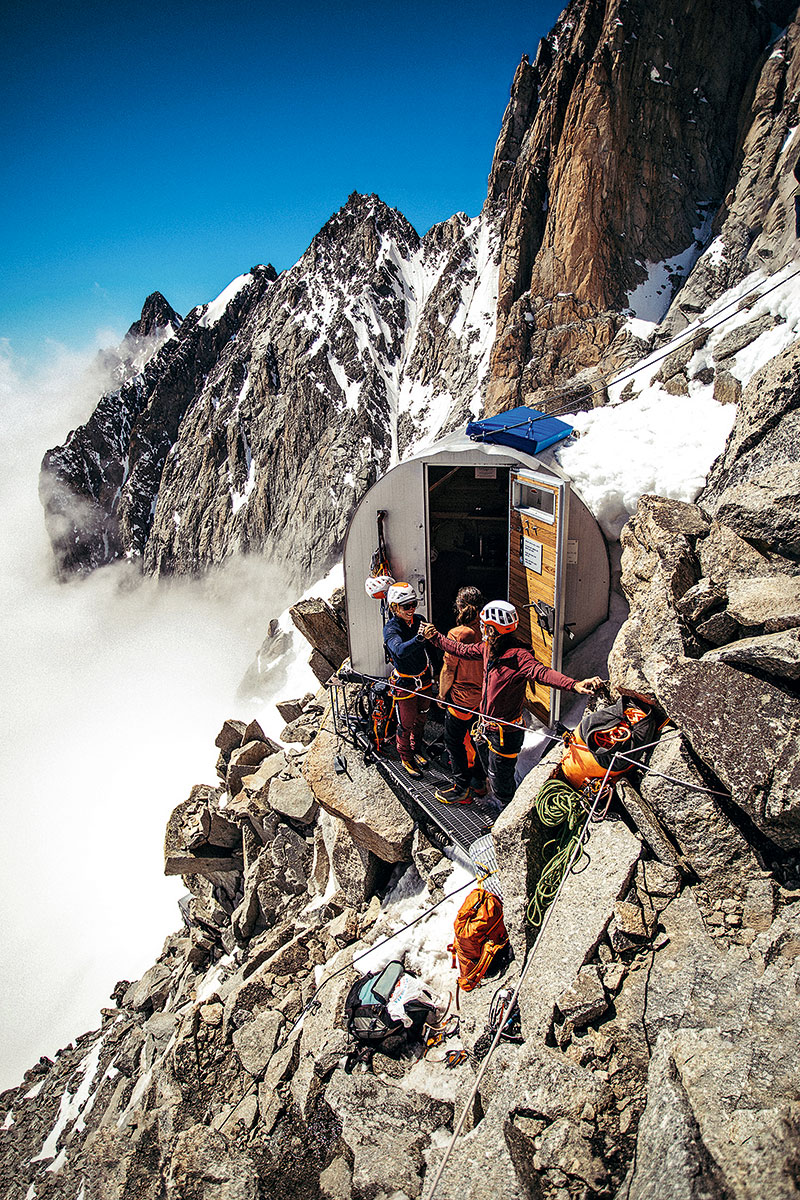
[556,805]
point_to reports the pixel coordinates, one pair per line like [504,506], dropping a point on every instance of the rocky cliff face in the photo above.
[263,419]
[660,1012]
[626,150]
[660,1017]
[157,323]
[618,151]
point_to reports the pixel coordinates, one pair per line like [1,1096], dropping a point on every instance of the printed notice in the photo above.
[532,555]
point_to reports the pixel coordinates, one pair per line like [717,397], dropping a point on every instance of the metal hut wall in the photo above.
[509,522]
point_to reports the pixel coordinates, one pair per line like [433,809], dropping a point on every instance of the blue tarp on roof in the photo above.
[524,428]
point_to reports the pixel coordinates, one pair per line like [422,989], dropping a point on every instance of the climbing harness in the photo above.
[420,684]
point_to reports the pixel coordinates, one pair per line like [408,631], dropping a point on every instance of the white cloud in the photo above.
[113,691]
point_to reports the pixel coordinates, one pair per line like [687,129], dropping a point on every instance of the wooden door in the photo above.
[537,523]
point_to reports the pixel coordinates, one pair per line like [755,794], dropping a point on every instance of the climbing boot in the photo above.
[421,757]
[454,795]
[479,790]
[410,768]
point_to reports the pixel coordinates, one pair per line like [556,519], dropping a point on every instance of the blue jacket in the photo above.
[407,654]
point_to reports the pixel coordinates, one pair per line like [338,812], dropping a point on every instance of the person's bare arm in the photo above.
[447,677]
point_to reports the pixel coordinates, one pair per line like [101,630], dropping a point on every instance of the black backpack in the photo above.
[623,728]
[368,1019]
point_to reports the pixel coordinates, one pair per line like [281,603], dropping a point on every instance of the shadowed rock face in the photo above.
[260,423]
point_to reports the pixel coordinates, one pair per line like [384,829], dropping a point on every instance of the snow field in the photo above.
[656,442]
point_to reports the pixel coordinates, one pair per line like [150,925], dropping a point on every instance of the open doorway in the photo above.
[467,534]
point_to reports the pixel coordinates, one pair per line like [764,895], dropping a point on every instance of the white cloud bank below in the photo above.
[113,691]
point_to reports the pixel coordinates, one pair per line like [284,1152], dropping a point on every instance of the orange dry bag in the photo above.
[480,934]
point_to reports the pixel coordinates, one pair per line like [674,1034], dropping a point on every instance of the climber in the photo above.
[460,683]
[508,665]
[406,649]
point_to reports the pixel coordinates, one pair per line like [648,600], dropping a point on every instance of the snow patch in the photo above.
[216,308]
[789,139]
[655,442]
[212,979]
[240,498]
[651,299]
[423,948]
[71,1107]
[349,389]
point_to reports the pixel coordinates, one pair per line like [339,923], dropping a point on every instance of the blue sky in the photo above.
[174,149]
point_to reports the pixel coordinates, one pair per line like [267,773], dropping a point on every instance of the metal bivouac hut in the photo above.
[492,508]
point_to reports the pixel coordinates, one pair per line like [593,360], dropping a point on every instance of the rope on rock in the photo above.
[679,342]
[557,805]
[526,967]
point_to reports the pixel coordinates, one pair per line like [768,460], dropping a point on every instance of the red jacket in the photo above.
[508,666]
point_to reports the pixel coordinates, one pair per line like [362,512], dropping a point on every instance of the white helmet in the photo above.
[401,593]
[378,585]
[499,615]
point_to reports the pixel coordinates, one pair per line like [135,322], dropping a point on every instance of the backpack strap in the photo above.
[476,974]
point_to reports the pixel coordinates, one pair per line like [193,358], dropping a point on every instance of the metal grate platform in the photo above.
[467,825]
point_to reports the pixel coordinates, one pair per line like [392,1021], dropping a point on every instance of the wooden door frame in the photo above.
[546,711]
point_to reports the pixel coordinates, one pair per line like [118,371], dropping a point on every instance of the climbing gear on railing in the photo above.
[557,805]
[375,705]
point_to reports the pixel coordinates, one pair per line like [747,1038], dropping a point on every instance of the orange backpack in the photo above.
[629,727]
[480,934]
